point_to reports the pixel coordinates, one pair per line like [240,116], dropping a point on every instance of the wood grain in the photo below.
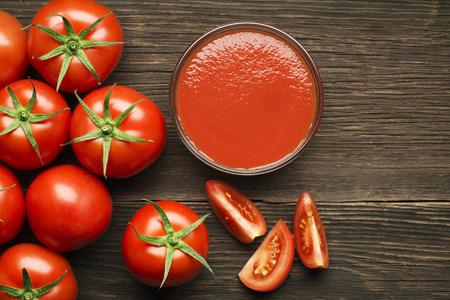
[378,167]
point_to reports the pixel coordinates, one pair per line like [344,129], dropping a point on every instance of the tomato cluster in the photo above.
[115,132]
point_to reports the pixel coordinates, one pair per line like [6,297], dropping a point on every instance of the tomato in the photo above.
[133,139]
[43,117]
[309,234]
[271,263]
[235,211]
[43,266]
[12,205]
[161,233]
[68,207]
[83,56]
[13,48]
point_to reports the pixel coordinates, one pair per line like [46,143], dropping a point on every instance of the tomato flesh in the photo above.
[309,234]
[237,213]
[270,265]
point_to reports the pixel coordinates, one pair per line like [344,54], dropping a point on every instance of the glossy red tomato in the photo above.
[12,205]
[270,265]
[125,157]
[237,213]
[13,48]
[68,207]
[146,261]
[309,234]
[43,266]
[81,14]
[17,148]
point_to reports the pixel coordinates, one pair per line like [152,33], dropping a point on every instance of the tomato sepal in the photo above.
[28,292]
[173,240]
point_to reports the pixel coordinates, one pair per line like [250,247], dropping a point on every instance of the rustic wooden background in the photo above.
[378,167]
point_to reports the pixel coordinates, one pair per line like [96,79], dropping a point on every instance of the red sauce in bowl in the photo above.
[245,99]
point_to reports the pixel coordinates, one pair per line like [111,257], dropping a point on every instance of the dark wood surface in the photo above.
[378,167]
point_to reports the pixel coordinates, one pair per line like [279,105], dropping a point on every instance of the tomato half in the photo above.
[270,265]
[12,205]
[43,266]
[146,261]
[126,157]
[68,207]
[309,234]
[237,213]
[13,48]
[81,14]
[17,146]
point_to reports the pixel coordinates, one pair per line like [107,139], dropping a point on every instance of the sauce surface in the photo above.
[246,99]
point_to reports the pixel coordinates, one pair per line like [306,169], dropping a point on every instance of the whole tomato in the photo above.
[13,48]
[34,122]
[82,47]
[117,132]
[12,205]
[50,274]
[68,207]
[165,231]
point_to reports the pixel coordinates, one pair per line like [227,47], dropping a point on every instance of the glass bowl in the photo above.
[207,39]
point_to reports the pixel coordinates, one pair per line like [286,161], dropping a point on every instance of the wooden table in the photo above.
[378,167]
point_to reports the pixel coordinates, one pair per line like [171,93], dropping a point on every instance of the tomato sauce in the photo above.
[246,99]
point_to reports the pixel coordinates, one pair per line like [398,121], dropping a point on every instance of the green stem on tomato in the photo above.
[28,292]
[23,117]
[107,128]
[73,44]
[173,240]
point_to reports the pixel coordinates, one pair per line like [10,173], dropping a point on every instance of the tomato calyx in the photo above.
[173,240]
[107,127]
[28,292]
[73,44]
[23,117]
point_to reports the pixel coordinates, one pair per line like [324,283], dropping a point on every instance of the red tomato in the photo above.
[43,266]
[16,146]
[13,48]
[125,158]
[146,261]
[12,205]
[309,234]
[81,14]
[270,265]
[235,211]
[68,207]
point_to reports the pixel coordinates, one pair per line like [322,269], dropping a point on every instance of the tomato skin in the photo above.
[237,213]
[68,207]
[146,262]
[81,14]
[50,134]
[13,48]
[12,205]
[274,278]
[43,266]
[125,158]
[309,234]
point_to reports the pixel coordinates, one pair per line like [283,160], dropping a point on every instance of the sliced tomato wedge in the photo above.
[271,263]
[237,213]
[309,234]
